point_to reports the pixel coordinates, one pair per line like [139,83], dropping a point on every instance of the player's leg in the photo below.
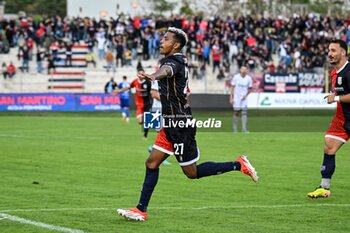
[127,109]
[139,118]
[152,172]
[335,137]
[150,181]
[194,171]
[162,148]
[236,112]
[244,119]
[188,154]
[331,146]
[145,130]
[146,108]
[122,107]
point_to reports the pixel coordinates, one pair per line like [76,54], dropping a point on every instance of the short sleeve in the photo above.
[133,83]
[234,81]
[173,64]
[250,83]
[347,77]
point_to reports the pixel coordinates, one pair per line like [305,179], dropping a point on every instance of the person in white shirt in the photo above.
[156,106]
[101,42]
[241,86]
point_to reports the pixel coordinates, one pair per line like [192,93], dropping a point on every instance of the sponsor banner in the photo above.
[59,102]
[281,83]
[311,83]
[253,100]
[97,102]
[258,82]
[293,101]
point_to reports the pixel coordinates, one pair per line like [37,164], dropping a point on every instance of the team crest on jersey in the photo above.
[340,80]
[145,86]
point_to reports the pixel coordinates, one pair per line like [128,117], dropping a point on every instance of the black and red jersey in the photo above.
[341,86]
[173,90]
[143,96]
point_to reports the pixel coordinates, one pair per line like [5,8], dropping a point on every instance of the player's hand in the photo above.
[330,97]
[231,101]
[115,92]
[143,76]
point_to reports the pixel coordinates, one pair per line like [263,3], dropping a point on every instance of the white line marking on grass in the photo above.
[46,137]
[54,210]
[188,208]
[252,206]
[39,224]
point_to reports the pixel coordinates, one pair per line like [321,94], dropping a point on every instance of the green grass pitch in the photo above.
[73,170]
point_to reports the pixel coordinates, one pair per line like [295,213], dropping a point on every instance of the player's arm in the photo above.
[331,98]
[231,94]
[344,98]
[246,95]
[163,72]
[114,92]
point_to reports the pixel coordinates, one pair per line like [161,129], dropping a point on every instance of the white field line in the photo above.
[55,210]
[38,224]
[46,136]
[186,208]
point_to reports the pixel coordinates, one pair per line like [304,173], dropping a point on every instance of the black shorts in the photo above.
[184,144]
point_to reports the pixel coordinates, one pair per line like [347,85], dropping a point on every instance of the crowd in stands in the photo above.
[298,43]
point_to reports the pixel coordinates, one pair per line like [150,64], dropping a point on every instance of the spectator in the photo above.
[39,60]
[4,46]
[202,71]
[199,53]
[206,53]
[233,51]
[90,58]
[91,44]
[69,46]
[252,38]
[110,61]
[11,70]
[54,50]
[50,64]
[119,54]
[128,57]
[101,42]
[216,55]
[4,70]
[25,58]
[221,74]
[110,86]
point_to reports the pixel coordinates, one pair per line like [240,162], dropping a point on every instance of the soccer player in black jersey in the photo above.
[177,140]
[338,132]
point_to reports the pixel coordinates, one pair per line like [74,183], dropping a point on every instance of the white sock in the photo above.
[326,183]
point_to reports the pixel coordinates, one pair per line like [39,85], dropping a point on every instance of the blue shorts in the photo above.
[124,103]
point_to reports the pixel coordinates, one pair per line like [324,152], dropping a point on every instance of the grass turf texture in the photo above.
[75,162]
